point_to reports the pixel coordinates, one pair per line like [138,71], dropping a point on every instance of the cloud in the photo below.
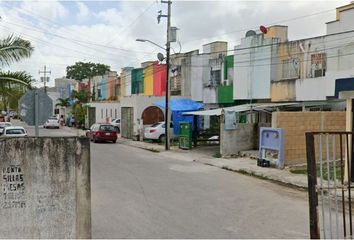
[84,11]
[117,27]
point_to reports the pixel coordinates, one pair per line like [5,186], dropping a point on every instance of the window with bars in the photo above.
[215,76]
[318,65]
[290,68]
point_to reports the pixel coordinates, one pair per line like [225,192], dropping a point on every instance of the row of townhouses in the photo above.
[264,67]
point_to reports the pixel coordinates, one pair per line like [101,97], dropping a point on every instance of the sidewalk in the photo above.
[245,165]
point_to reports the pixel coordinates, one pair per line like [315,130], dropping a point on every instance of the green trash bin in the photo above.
[185,135]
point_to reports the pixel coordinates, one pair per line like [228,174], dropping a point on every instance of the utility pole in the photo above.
[167,112]
[44,77]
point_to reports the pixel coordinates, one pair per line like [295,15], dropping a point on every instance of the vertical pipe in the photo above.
[167,114]
[36,111]
[312,182]
[335,182]
[342,181]
[328,186]
[349,188]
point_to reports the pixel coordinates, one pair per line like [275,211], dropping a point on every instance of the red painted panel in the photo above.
[159,79]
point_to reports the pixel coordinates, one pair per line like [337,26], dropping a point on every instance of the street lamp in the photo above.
[146,40]
[167,101]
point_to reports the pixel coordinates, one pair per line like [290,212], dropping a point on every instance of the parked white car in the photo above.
[14,131]
[116,124]
[52,122]
[157,132]
[3,125]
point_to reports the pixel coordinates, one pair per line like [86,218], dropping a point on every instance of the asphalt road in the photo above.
[141,194]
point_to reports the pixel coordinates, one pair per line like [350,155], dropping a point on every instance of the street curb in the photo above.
[151,149]
[259,176]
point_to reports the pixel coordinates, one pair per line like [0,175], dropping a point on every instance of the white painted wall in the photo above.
[339,49]
[346,22]
[252,68]
[196,77]
[106,110]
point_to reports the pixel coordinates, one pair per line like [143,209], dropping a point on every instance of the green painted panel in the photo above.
[228,63]
[225,94]
[137,80]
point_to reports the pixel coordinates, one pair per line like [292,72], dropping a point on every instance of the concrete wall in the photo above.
[253,67]
[106,110]
[196,78]
[283,91]
[139,103]
[233,141]
[45,188]
[296,124]
[344,20]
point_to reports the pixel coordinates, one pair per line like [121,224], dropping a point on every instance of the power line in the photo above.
[255,28]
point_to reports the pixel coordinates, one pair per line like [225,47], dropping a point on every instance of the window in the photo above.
[106,112]
[215,77]
[101,113]
[290,68]
[111,112]
[15,131]
[115,113]
[318,65]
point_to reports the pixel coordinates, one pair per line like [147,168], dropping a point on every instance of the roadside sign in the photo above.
[27,107]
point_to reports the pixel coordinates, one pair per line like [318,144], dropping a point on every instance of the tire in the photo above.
[114,141]
[162,138]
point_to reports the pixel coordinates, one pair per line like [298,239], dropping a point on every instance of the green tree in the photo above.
[82,70]
[78,108]
[13,84]
[13,49]
[63,102]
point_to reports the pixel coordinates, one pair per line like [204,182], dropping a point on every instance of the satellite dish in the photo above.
[263,29]
[250,33]
[160,57]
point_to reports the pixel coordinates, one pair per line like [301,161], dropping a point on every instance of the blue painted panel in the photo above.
[272,139]
[343,84]
[103,87]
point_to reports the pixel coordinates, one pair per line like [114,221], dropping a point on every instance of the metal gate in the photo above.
[127,122]
[329,171]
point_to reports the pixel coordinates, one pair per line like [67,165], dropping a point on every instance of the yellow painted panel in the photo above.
[149,80]
[123,80]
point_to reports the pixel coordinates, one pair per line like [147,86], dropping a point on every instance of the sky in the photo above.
[65,32]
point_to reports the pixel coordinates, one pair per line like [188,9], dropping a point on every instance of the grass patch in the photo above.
[337,171]
[217,155]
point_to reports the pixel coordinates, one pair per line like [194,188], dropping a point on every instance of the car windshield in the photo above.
[155,124]
[107,128]
[15,131]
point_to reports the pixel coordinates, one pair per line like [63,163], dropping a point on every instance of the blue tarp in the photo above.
[181,104]
[178,106]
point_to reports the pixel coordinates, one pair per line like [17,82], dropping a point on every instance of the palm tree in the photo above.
[64,103]
[13,49]
[12,86]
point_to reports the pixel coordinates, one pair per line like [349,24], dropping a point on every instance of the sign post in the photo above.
[35,108]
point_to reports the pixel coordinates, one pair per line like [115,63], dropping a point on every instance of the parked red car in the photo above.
[102,132]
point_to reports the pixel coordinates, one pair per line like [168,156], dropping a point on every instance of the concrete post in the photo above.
[45,188]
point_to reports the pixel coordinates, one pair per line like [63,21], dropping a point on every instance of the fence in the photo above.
[330,183]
